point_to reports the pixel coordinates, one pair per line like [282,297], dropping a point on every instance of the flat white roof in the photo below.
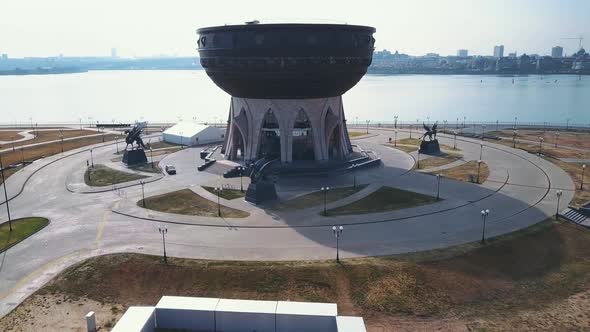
[350,324]
[249,306]
[134,319]
[187,303]
[307,308]
[188,129]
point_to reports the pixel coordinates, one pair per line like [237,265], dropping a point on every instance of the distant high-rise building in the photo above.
[462,53]
[113,52]
[512,55]
[557,52]
[4,56]
[499,51]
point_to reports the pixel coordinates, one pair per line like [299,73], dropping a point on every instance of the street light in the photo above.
[483,132]
[117,144]
[438,176]
[455,140]
[582,184]
[142,194]
[368,126]
[395,123]
[337,230]
[514,133]
[444,126]
[484,215]
[325,191]
[62,143]
[515,119]
[481,151]
[478,169]
[395,140]
[410,131]
[556,138]
[559,193]
[541,139]
[241,169]
[163,231]
[152,156]
[91,158]
[218,191]
[5,193]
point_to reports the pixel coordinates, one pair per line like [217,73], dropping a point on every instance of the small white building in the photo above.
[190,133]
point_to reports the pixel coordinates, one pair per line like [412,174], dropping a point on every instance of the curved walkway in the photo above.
[520,192]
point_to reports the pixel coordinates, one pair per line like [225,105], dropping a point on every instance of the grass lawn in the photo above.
[316,198]
[228,194]
[439,160]
[10,135]
[188,203]
[353,134]
[382,200]
[147,168]
[51,135]
[402,147]
[575,172]
[534,279]
[21,229]
[101,176]
[466,172]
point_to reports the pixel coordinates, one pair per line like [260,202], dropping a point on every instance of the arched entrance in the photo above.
[303,148]
[270,137]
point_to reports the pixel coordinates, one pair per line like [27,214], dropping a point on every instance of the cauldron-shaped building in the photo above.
[286,83]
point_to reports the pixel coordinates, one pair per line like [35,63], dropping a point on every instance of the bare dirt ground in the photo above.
[534,280]
[10,135]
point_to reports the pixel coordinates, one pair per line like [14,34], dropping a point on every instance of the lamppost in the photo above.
[541,139]
[481,151]
[142,193]
[410,131]
[483,132]
[91,159]
[497,125]
[514,133]
[152,156]
[368,126]
[582,183]
[455,140]
[241,169]
[438,176]
[163,231]
[484,215]
[325,191]
[181,133]
[567,124]
[62,143]
[395,140]
[559,193]
[12,139]
[5,193]
[478,169]
[395,123]
[515,119]
[444,126]
[556,138]
[22,155]
[457,126]
[117,144]
[218,191]
[337,230]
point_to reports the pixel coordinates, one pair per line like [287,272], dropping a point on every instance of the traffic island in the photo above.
[102,176]
[384,199]
[21,229]
[186,202]
[468,172]
[316,198]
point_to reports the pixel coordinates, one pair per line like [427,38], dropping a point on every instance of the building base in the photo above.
[286,130]
[260,192]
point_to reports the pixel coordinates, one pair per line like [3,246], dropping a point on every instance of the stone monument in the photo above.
[136,155]
[431,146]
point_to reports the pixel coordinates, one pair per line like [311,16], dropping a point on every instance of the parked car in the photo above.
[170,169]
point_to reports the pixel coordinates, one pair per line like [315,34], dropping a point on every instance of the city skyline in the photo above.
[150,28]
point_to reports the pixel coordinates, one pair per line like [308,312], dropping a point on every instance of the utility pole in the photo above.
[5,193]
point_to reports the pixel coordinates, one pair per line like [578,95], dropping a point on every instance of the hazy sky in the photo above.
[150,27]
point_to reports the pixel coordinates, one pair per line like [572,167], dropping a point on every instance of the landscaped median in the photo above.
[383,199]
[187,202]
[468,172]
[316,198]
[101,176]
[21,229]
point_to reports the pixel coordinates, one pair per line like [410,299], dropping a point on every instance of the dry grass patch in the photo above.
[21,229]
[188,203]
[439,160]
[382,200]
[534,279]
[101,176]
[10,135]
[574,170]
[316,198]
[466,172]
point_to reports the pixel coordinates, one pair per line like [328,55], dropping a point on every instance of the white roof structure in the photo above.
[350,324]
[191,133]
[187,303]
[186,129]
[136,319]
[248,306]
[307,308]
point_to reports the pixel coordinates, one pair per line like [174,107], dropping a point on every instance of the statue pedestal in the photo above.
[429,147]
[134,157]
[261,192]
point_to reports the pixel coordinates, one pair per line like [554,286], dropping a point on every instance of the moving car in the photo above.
[170,169]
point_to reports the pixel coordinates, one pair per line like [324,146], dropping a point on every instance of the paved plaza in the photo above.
[85,222]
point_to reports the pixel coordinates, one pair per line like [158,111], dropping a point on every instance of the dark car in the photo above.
[170,169]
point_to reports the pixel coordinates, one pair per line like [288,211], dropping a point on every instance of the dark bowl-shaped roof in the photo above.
[286,61]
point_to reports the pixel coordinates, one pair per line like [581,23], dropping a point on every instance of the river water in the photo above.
[160,96]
